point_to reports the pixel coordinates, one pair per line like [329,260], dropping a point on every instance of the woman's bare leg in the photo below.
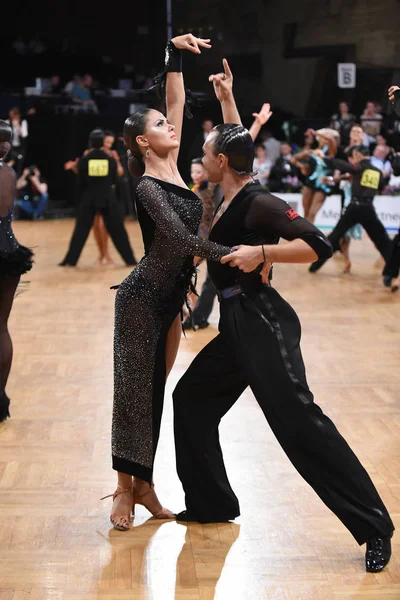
[344,243]
[173,341]
[307,200]
[98,238]
[317,201]
[104,241]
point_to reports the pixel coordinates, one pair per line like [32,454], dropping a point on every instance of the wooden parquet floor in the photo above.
[56,542]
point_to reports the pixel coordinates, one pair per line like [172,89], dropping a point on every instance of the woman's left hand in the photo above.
[190,42]
[246,258]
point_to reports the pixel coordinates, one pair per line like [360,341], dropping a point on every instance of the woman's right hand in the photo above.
[190,42]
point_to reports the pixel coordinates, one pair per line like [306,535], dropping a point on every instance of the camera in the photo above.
[32,170]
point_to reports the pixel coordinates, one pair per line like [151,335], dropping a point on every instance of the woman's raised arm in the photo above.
[175,95]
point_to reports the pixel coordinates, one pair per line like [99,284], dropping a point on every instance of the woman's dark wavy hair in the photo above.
[236,143]
[5,138]
[135,125]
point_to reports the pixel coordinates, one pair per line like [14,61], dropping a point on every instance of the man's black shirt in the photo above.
[367,179]
[97,172]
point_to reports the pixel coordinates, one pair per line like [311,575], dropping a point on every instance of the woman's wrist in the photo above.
[173,58]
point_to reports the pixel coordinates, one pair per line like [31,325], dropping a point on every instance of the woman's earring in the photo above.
[147,153]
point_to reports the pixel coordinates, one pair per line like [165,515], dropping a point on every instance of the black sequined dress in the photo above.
[147,302]
[15,259]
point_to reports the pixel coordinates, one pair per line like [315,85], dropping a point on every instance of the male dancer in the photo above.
[259,346]
[97,172]
[367,181]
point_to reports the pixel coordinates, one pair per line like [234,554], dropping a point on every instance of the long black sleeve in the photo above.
[342,165]
[155,201]
[269,214]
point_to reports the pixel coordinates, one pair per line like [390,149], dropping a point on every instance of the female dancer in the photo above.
[14,261]
[314,189]
[149,301]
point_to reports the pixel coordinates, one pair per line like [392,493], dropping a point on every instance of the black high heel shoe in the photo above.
[4,407]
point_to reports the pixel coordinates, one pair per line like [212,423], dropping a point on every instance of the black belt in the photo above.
[229,292]
[362,199]
[236,290]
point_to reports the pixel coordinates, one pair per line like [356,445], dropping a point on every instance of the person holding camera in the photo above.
[32,193]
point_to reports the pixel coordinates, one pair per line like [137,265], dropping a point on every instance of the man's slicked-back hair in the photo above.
[236,143]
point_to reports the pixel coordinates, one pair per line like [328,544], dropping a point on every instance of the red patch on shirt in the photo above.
[291,214]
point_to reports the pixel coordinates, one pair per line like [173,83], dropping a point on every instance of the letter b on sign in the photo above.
[346,75]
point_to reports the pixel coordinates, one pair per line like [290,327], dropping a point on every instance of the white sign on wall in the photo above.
[346,75]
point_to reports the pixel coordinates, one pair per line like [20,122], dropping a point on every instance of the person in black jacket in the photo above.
[284,176]
[367,181]
[259,346]
[97,178]
[391,273]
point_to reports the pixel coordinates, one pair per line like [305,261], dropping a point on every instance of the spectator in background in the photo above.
[16,156]
[37,45]
[82,94]
[262,165]
[197,146]
[19,46]
[371,122]
[379,160]
[343,121]
[284,177]
[210,195]
[32,193]
[69,86]
[358,137]
[56,86]
[272,146]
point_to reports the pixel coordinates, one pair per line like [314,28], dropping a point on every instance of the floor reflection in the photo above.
[164,560]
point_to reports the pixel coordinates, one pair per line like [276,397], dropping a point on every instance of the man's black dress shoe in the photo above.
[377,555]
[186,517]
[387,280]
[313,268]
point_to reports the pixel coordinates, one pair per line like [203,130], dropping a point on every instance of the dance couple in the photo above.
[259,340]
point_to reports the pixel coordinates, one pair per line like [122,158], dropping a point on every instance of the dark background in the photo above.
[284,53]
